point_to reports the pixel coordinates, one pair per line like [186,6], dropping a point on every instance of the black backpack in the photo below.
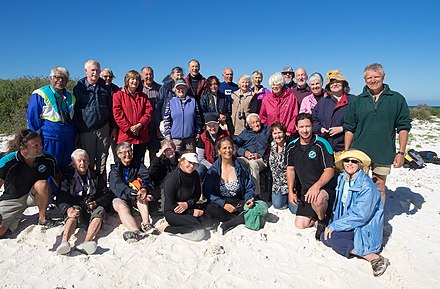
[413,160]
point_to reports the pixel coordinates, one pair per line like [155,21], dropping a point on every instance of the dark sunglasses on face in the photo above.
[351,161]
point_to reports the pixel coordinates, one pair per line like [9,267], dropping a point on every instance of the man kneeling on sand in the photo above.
[82,197]
[24,171]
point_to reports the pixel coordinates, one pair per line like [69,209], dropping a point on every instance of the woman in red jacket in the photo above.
[132,113]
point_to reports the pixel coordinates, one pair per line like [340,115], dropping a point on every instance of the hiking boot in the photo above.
[49,223]
[379,265]
[320,228]
[149,229]
[133,236]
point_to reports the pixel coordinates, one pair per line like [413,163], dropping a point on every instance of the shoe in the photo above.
[133,236]
[149,229]
[195,235]
[379,265]
[87,248]
[49,223]
[320,228]
[64,248]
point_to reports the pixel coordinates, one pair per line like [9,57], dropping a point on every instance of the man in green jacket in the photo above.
[371,123]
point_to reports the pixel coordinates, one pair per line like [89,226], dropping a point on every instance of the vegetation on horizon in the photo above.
[424,112]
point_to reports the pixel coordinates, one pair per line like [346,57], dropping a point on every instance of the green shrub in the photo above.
[421,112]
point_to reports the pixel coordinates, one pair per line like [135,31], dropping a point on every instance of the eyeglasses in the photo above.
[59,77]
[125,152]
[351,161]
[107,76]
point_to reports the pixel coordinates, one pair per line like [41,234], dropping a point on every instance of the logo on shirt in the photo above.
[42,168]
[228,91]
[312,154]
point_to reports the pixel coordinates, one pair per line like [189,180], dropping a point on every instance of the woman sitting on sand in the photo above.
[357,225]
[229,187]
[182,191]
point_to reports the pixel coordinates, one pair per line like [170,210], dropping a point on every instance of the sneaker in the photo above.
[133,237]
[64,248]
[379,265]
[49,223]
[87,248]
[149,229]
[320,228]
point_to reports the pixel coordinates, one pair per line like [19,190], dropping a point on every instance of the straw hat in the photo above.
[335,74]
[355,154]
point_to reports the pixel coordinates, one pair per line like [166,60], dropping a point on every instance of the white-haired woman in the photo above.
[82,197]
[280,105]
[357,225]
[258,90]
[309,102]
[241,103]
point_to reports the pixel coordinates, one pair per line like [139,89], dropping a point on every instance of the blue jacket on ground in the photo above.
[211,185]
[182,118]
[255,142]
[362,212]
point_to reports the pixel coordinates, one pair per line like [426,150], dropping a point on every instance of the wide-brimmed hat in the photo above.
[335,74]
[356,154]
[180,82]
[191,157]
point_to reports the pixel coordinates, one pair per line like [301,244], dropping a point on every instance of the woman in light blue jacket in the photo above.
[357,225]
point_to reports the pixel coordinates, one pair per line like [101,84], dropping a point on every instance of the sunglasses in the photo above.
[351,161]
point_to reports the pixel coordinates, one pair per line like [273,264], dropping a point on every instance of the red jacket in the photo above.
[209,145]
[129,110]
[201,88]
[283,109]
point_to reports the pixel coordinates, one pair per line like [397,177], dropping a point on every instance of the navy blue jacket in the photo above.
[119,186]
[254,142]
[223,106]
[165,94]
[328,113]
[211,185]
[93,107]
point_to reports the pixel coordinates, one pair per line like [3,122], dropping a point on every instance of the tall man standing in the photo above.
[93,115]
[151,88]
[228,86]
[196,82]
[371,123]
[302,89]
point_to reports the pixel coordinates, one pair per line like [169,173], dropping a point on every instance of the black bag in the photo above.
[430,157]
[413,160]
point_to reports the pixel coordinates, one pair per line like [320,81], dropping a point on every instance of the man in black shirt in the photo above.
[24,171]
[310,158]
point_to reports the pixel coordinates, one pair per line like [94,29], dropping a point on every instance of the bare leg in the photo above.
[143,209]
[380,183]
[321,204]
[302,222]
[3,230]
[125,216]
[69,229]
[41,193]
[94,227]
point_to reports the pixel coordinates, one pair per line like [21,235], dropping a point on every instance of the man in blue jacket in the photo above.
[252,145]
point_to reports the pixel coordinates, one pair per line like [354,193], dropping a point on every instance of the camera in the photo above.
[241,115]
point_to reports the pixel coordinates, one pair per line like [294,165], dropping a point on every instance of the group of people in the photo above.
[208,143]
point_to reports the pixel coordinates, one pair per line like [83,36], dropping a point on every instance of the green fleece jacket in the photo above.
[375,125]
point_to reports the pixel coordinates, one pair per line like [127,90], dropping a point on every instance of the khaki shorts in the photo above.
[12,210]
[381,170]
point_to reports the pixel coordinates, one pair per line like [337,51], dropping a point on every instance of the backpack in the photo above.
[430,157]
[413,160]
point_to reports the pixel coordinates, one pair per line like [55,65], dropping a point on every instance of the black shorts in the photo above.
[305,209]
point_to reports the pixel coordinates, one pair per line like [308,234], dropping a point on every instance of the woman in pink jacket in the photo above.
[280,105]
[132,113]
[309,102]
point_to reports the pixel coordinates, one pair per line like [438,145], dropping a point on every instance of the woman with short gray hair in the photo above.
[316,81]
[258,90]
[241,103]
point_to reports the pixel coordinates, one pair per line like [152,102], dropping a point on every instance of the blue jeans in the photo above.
[280,202]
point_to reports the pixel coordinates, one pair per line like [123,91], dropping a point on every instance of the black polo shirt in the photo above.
[310,161]
[19,177]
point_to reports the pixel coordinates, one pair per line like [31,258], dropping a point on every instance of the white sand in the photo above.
[278,256]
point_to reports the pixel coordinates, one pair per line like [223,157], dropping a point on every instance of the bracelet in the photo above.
[401,153]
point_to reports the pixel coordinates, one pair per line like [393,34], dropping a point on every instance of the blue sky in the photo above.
[245,35]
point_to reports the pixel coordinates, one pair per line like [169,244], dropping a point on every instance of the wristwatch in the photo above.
[401,153]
